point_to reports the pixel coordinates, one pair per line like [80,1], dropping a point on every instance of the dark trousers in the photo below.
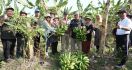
[122,47]
[48,44]
[97,48]
[86,46]
[8,48]
[0,30]
[21,44]
[54,47]
[36,45]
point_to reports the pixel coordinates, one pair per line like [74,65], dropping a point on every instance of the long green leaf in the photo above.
[79,6]
[24,3]
[8,2]
[30,3]
[62,4]
[37,2]
[87,8]
[118,3]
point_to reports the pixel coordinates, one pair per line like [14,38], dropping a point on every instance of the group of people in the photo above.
[12,39]
[69,41]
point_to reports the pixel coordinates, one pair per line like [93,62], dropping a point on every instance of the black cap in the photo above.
[10,8]
[37,11]
[22,12]
[121,11]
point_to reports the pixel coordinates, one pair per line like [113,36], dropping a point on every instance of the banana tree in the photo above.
[58,6]
[67,11]
[104,27]
[108,24]
[41,5]
[129,6]
[22,24]
[3,5]
[90,9]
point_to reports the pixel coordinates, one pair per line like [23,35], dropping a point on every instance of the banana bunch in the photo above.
[80,33]
[60,30]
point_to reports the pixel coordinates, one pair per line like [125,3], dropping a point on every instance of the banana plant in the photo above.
[41,6]
[129,6]
[25,3]
[74,61]
[67,11]
[90,8]
[58,6]
[80,33]
[3,5]
[60,30]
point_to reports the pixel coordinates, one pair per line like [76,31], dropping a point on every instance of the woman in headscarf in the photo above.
[98,23]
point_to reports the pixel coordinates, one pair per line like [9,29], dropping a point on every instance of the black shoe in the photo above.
[8,60]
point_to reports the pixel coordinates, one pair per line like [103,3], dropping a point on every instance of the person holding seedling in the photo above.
[65,39]
[8,35]
[54,37]
[36,38]
[89,28]
[76,22]
[46,24]
[21,39]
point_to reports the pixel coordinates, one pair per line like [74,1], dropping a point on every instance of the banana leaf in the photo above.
[8,2]
[79,6]
[30,3]
[37,2]
[61,4]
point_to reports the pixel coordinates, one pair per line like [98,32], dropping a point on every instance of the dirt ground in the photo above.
[96,63]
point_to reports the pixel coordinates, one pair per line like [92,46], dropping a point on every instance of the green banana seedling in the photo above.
[80,33]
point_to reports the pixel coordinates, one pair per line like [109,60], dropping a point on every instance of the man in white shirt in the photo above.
[124,27]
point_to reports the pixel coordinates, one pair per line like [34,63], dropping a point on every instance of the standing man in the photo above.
[21,40]
[36,38]
[8,35]
[124,27]
[65,39]
[76,22]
